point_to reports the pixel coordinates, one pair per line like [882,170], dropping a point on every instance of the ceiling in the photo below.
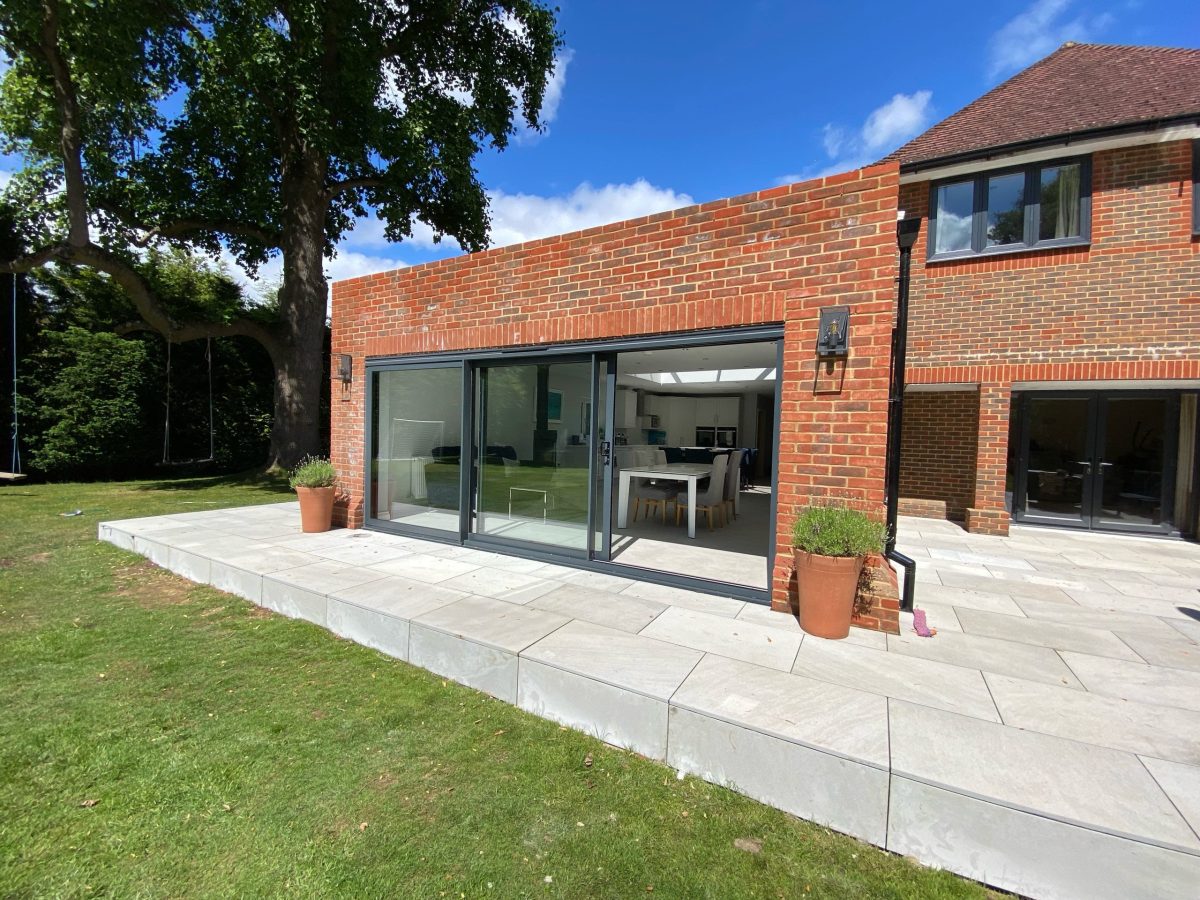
[716,369]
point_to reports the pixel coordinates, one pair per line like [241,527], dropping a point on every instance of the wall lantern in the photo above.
[345,368]
[833,337]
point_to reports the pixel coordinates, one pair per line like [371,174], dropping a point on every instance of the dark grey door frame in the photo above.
[1090,518]
[471,360]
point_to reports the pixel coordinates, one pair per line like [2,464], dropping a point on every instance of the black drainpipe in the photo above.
[906,235]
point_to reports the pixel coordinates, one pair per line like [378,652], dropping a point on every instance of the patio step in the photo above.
[796,723]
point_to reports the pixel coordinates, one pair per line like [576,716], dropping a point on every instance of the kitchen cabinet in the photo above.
[626,411]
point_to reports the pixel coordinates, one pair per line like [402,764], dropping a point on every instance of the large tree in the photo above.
[259,128]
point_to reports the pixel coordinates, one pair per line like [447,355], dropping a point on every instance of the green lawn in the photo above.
[163,739]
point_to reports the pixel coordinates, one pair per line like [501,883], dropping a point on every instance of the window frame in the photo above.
[1196,188]
[1032,210]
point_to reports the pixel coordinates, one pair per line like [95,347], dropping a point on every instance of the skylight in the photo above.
[707,376]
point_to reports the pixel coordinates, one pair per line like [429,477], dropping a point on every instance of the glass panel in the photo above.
[1060,202]
[955,204]
[416,446]
[1006,210]
[533,460]
[1055,479]
[602,435]
[1132,461]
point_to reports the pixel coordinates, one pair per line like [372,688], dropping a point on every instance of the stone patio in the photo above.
[1046,740]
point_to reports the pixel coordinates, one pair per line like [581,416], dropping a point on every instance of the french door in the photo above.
[1097,461]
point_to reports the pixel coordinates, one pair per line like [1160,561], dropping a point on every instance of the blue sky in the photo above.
[657,104]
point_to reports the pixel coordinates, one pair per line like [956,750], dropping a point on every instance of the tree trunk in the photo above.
[300,363]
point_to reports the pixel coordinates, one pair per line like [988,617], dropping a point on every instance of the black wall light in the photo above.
[833,336]
[345,368]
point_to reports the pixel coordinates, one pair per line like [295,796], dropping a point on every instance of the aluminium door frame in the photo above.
[1092,499]
[469,360]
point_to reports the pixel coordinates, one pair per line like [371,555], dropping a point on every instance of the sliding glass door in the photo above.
[531,452]
[416,452]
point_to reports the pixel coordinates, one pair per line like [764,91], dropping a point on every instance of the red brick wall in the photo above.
[1127,307]
[937,447]
[775,256]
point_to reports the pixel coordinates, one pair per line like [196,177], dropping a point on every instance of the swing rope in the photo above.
[166,457]
[14,473]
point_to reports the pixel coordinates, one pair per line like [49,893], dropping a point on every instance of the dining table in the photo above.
[691,473]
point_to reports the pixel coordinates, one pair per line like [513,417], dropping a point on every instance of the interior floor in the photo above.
[735,553]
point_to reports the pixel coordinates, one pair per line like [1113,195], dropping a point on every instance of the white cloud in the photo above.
[1039,30]
[901,118]
[524,217]
[885,128]
[833,137]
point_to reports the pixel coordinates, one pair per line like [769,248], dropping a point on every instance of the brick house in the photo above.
[506,400]
[1054,343]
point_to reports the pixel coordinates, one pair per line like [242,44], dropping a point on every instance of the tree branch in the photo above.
[71,138]
[155,317]
[184,227]
[351,184]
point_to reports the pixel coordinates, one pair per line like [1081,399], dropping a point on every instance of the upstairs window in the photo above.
[1196,187]
[1041,205]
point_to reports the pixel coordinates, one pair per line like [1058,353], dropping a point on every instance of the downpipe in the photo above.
[906,236]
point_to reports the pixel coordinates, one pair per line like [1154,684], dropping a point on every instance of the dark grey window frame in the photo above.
[1195,188]
[1033,189]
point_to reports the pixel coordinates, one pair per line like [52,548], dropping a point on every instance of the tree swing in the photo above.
[166,454]
[14,472]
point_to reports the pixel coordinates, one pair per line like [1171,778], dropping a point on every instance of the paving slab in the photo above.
[239,582]
[501,584]
[369,627]
[694,600]
[1138,682]
[1030,855]
[831,790]
[922,681]
[972,599]
[822,716]
[192,566]
[325,576]
[640,664]
[1014,589]
[600,581]
[611,714]
[619,611]
[493,623]
[488,669]
[988,654]
[1182,784]
[398,597]
[272,559]
[426,568]
[1172,652]
[1096,787]
[735,638]
[1045,634]
[1087,617]
[1127,604]
[363,553]
[294,601]
[1094,719]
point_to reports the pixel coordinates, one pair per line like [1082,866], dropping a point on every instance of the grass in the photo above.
[161,738]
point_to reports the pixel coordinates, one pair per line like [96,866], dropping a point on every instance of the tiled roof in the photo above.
[1079,87]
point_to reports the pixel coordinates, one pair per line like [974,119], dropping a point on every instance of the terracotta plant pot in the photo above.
[826,586]
[316,508]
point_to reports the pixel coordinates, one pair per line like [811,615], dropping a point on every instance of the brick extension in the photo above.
[775,256]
